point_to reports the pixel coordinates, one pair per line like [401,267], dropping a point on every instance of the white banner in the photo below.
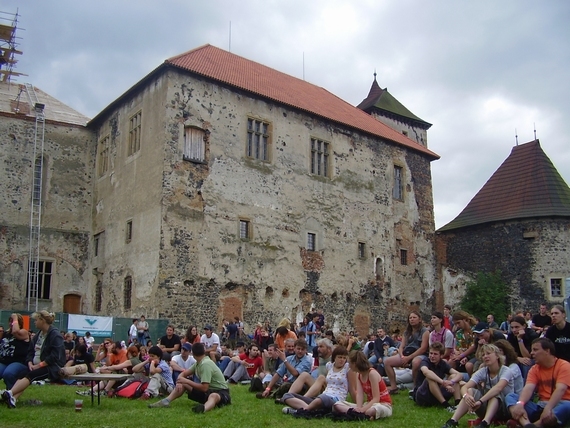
[97,326]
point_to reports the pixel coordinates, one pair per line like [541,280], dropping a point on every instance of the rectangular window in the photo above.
[311,241]
[244,229]
[556,287]
[361,250]
[129,231]
[103,157]
[403,257]
[134,133]
[96,246]
[194,144]
[44,280]
[127,292]
[98,296]
[258,139]
[320,157]
[398,191]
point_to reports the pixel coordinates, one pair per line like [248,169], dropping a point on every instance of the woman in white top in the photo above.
[337,387]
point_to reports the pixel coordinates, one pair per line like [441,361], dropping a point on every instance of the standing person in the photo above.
[485,392]
[133,332]
[447,318]
[170,344]
[414,343]
[13,351]
[549,377]
[541,321]
[232,332]
[370,384]
[559,332]
[46,356]
[312,331]
[521,338]
[142,331]
[212,391]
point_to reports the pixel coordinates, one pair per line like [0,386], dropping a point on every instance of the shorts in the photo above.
[382,410]
[327,400]
[424,397]
[502,414]
[202,397]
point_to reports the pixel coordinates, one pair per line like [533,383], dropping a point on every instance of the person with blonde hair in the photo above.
[46,356]
[13,351]
[485,393]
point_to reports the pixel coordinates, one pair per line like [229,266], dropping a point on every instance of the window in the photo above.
[96,246]
[398,191]
[403,257]
[245,229]
[194,144]
[129,231]
[258,139]
[44,271]
[103,150]
[98,296]
[556,287]
[127,292]
[311,241]
[319,157]
[361,250]
[134,133]
[39,180]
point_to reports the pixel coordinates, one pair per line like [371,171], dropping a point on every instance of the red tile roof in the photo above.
[239,72]
[526,185]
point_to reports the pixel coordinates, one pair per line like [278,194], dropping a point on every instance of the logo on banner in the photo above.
[91,322]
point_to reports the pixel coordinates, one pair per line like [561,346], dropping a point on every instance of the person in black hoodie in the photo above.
[45,357]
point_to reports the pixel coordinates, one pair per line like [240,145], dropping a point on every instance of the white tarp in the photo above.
[97,326]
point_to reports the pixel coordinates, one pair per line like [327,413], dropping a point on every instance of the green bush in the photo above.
[488,294]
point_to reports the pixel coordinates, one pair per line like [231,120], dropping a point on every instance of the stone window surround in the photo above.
[129,231]
[135,131]
[103,155]
[556,280]
[361,250]
[311,241]
[403,256]
[262,135]
[44,262]
[190,152]
[320,157]
[245,229]
[127,292]
[398,182]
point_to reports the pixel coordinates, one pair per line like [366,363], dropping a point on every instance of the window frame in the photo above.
[103,156]
[560,285]
[361,250]
[398,184]
[42,276]
[135,128]
[320,157]
[403,256]
[248,229]
[256,140]
[129,231]
[311,242]
[127,292]
[194,145]
[98,296]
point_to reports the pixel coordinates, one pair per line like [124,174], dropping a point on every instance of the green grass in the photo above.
[58,410]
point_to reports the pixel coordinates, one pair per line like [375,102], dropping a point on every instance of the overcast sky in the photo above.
[477,70]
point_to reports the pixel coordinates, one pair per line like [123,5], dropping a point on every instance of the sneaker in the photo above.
[199,408]
[245,382]
[411,394]
[288,410]
[482,424]
[9,399]
[33,402]
[159,404]
[83,392]
[450,424]
[256,385]
[451,409]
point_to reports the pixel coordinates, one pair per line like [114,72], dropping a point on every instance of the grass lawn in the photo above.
[58,410]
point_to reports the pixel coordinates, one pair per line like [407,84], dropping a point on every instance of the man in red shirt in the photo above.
[244,366]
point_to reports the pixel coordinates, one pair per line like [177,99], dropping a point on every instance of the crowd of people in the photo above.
[457,362]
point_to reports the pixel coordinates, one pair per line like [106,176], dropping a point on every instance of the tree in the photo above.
[488,294]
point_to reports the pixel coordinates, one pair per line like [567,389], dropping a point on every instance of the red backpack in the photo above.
[132,388]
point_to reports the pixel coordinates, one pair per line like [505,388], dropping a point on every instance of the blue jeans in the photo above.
[12,372]
[534,410]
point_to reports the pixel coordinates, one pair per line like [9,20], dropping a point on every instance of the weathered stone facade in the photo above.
[66,204]
[186,256]
[529,253]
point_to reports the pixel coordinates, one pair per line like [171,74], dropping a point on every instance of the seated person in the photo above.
[115,356]
[212,391]
[46,355]
[244,366]
[306,380]
[13,351]
[371,386]
[211,342]
[271,363]
[437,382]
[337,387]
[485,392]
[170,344]
[182,362]
[159,373]
[291,367]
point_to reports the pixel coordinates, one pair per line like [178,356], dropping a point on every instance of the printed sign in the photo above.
[97,326]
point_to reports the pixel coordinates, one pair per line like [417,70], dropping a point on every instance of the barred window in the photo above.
[135,133]
[320,157]
[556,287]
[258,139]
[194,144]
[98,296]
[244,229]
[127,292]
[361,250]
[403,257]
[311,241]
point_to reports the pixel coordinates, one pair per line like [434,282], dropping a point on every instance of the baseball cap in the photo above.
[187,346]
[208,327]
[480,327]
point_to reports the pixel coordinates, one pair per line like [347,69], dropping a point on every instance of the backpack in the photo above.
[132,388]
